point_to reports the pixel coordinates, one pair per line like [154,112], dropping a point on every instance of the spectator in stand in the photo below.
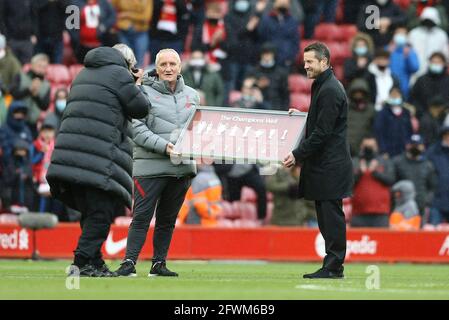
[169,26]
[405,215]
[51,19]
[438,153]
[33,88]
[9,65]
[413,166]
[313,10]
[241,41]
[97,17]
[202,203]
[374,175]
[403,60]
[361,114]
[3,189]
[416,8]
[288,209]
[432,84]
[432,121]
[392,125]
[60,99]
[3,109]
[239,175]
[357,66]
[281,29]
[15,128]
[252,97]
[384,79]
[428,38]
[133,23]
[19,178]
[212,34]
[296,8]
[18,22]
[351,9]
[200,75]
[390,16]
[272,79]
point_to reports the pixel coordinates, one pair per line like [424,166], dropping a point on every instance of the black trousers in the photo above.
[331,221]
[163,196]
[98,209]
[254,181]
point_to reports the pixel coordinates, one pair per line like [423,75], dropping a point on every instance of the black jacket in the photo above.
[182,21]
[92,148]
[326,172]
[18,19]
[51,18]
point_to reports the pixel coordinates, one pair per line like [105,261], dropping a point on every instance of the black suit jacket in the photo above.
[324,155]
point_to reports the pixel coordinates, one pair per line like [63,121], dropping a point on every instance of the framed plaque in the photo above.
[237,135]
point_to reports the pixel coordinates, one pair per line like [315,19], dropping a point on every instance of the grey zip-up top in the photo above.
[167,116]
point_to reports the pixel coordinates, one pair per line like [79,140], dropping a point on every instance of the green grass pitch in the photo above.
[21,279]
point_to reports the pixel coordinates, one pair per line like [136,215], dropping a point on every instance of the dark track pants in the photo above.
[163,196]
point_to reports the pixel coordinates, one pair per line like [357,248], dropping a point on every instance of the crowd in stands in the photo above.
[247,54]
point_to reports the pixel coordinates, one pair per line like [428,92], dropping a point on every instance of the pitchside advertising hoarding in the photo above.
[268,243]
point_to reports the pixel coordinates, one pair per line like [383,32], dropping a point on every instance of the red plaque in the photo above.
[240,135]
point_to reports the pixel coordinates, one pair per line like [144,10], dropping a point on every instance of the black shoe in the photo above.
[127,269]
[104,270]
[324,273]
[159,269]
[86,271]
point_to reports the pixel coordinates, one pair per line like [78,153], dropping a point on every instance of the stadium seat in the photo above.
[248,195]
[300,101]
[404,4]
[339,72]
[299,84]
[340,51]
[248,211]
[326,32]
[346,32]
[74,70]
[58,74]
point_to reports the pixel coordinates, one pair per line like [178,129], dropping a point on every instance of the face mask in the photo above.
[414,151]
[368,153]
[60,105]
[382,68]
[247,97]
[436,68]
[395,101]
[2,53]
[382,2]
[241,6]
[428,23]
[361,51]
[197,63]
[213,20]
[282,10]
[400,39]
[267,64]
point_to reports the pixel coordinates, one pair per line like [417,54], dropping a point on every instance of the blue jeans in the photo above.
[438,216]
[51,47]
[138,41]
[328,8]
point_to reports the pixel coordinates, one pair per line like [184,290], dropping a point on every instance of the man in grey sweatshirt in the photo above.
[160,184]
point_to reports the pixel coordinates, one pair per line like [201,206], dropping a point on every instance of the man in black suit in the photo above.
[323,154]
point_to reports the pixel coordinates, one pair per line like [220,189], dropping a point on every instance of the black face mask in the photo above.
[382,68]
[414,151]
[428,23]
[36,75]
[368,153]
[283,10]
[213,21]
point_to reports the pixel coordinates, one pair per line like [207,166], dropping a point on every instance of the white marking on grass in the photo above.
[349,289]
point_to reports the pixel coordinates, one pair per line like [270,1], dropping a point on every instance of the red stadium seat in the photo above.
[300,101]
[339,72]
[326,32]
[299,84]
[339,52]
[404,4]
[248,211]
[346,32]
[248,195]
[74,70]
[58,74]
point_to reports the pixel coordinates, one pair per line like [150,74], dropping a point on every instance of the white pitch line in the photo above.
[349,289]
